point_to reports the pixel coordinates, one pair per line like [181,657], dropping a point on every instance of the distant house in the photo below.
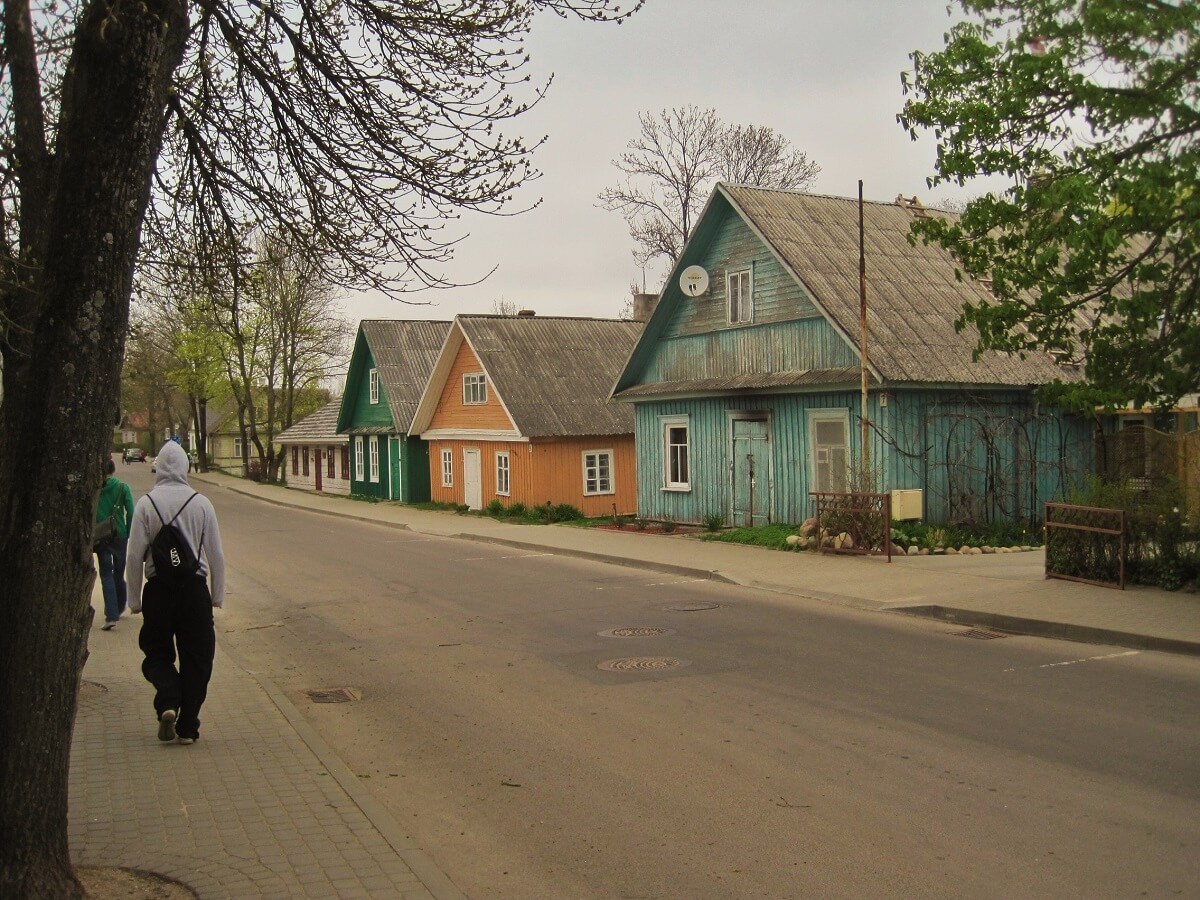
[388,370]
[315,456]
[224,437]
[1148,448]
[517,410]
[746,380]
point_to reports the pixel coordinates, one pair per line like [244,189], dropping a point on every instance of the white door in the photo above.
[472,480]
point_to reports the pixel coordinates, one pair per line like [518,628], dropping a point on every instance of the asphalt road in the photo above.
[765,746]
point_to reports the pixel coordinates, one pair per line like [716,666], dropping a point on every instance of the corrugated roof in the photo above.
[404,352]
[913,294]
[553,373]
[319,427]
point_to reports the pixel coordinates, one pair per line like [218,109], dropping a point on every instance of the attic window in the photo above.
[374,377]
[474,389]
[740,289]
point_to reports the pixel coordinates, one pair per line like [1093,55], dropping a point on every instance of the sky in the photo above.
[825,74]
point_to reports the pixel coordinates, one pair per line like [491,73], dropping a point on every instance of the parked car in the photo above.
[134,454]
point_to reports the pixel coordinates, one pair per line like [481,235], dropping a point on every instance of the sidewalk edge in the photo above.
[422,865]
[1084,634]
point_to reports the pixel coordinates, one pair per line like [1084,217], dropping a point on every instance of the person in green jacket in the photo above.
[116,500]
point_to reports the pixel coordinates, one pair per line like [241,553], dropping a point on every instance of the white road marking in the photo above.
[1072,662]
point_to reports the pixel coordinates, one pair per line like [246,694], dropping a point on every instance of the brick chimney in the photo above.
[643,306]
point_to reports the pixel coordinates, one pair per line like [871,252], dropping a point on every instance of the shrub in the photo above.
[564,512]
[667,526]
[714,522]
[495,508]
[517,511]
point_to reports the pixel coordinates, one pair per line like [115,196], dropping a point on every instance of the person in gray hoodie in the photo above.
[176,617]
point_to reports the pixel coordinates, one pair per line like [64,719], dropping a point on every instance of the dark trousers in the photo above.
[111,557]
[178,618]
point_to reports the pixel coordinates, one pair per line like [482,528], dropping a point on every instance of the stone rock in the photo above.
[924,551]
[940,551]
[952,551]
[964,549]
[976,551]
[988,549]
[914,550]
[808,528]
[843,542]
[794,539]
[1026,547]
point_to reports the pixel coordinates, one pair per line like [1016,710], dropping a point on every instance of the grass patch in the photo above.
[773,536]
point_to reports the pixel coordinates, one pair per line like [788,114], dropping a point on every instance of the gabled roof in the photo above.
[552,374]
[319,427]
[914,294]
[404,352]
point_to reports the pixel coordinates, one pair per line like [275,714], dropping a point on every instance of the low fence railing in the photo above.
[1085,544]
[853,523]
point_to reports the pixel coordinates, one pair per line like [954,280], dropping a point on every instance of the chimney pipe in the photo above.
[526,313]
[643,306]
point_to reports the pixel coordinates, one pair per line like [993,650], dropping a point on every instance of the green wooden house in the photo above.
[746,381]
[389,366]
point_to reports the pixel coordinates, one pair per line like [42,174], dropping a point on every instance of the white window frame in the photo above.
[815,416]
[503,473]
[237,447]
[667,423]
[358,458]
[373,379]
[447,468]
[474,388]
[592,473]
[741,284]
[373,459]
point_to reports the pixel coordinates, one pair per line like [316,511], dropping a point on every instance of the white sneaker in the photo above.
[166,725]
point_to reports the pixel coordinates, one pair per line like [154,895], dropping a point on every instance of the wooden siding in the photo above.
[981,457]
[451,412]
[798,346]
[542,471]
[366,487]
[335,485]
[414,470]
[777,296]
[363,413]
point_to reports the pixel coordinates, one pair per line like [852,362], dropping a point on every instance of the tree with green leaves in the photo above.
[1089,111]
[126,124]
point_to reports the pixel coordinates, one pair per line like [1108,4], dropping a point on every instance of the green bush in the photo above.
[714,522]
[517,511]
[495,508]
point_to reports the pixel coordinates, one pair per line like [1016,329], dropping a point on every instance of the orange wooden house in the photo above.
[516,410]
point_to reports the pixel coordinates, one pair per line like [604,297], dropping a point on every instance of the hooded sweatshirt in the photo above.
[197,521]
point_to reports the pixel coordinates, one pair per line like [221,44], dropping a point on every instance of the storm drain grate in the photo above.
[642,664]
[636,632]
[979,634]
[692,607]
[334,695]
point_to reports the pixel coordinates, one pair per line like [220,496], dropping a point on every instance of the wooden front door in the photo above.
[751,473]
[472,479]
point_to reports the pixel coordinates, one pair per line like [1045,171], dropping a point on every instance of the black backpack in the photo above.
[174,561]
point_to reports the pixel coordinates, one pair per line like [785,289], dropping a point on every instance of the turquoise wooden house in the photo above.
[746,380]
[389,366]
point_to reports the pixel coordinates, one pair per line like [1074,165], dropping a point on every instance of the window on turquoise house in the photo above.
[740,289]
[474,388]
[447,468]
[597,472]
[358,458]
[374,376]
[373,446]
[829,446]
[503,472]
[676,453]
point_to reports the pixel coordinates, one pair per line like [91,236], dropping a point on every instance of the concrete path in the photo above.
[261,807]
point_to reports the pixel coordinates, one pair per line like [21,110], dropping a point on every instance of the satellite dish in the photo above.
[693,281]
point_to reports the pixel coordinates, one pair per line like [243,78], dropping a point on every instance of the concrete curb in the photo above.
[1083,634]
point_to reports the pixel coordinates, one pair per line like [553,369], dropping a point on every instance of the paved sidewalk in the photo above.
[258,807]
[261,807]
[1004,590]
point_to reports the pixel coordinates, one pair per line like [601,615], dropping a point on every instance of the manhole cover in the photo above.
[979,634]
[642,664]
[334,695]
[691,607]
[635,632]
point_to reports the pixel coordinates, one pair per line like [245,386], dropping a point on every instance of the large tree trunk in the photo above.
[61,385]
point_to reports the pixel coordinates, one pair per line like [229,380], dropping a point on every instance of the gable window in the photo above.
[474,388]
[329,461]
[373,445]
[829,448]
[676,453]
[447,468]
[597,472]
[358,458]
[374,377]
[740,288]
[295,460]
[503,474]
[304,455]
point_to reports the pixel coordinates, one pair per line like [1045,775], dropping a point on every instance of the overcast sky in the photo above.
[823,73]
